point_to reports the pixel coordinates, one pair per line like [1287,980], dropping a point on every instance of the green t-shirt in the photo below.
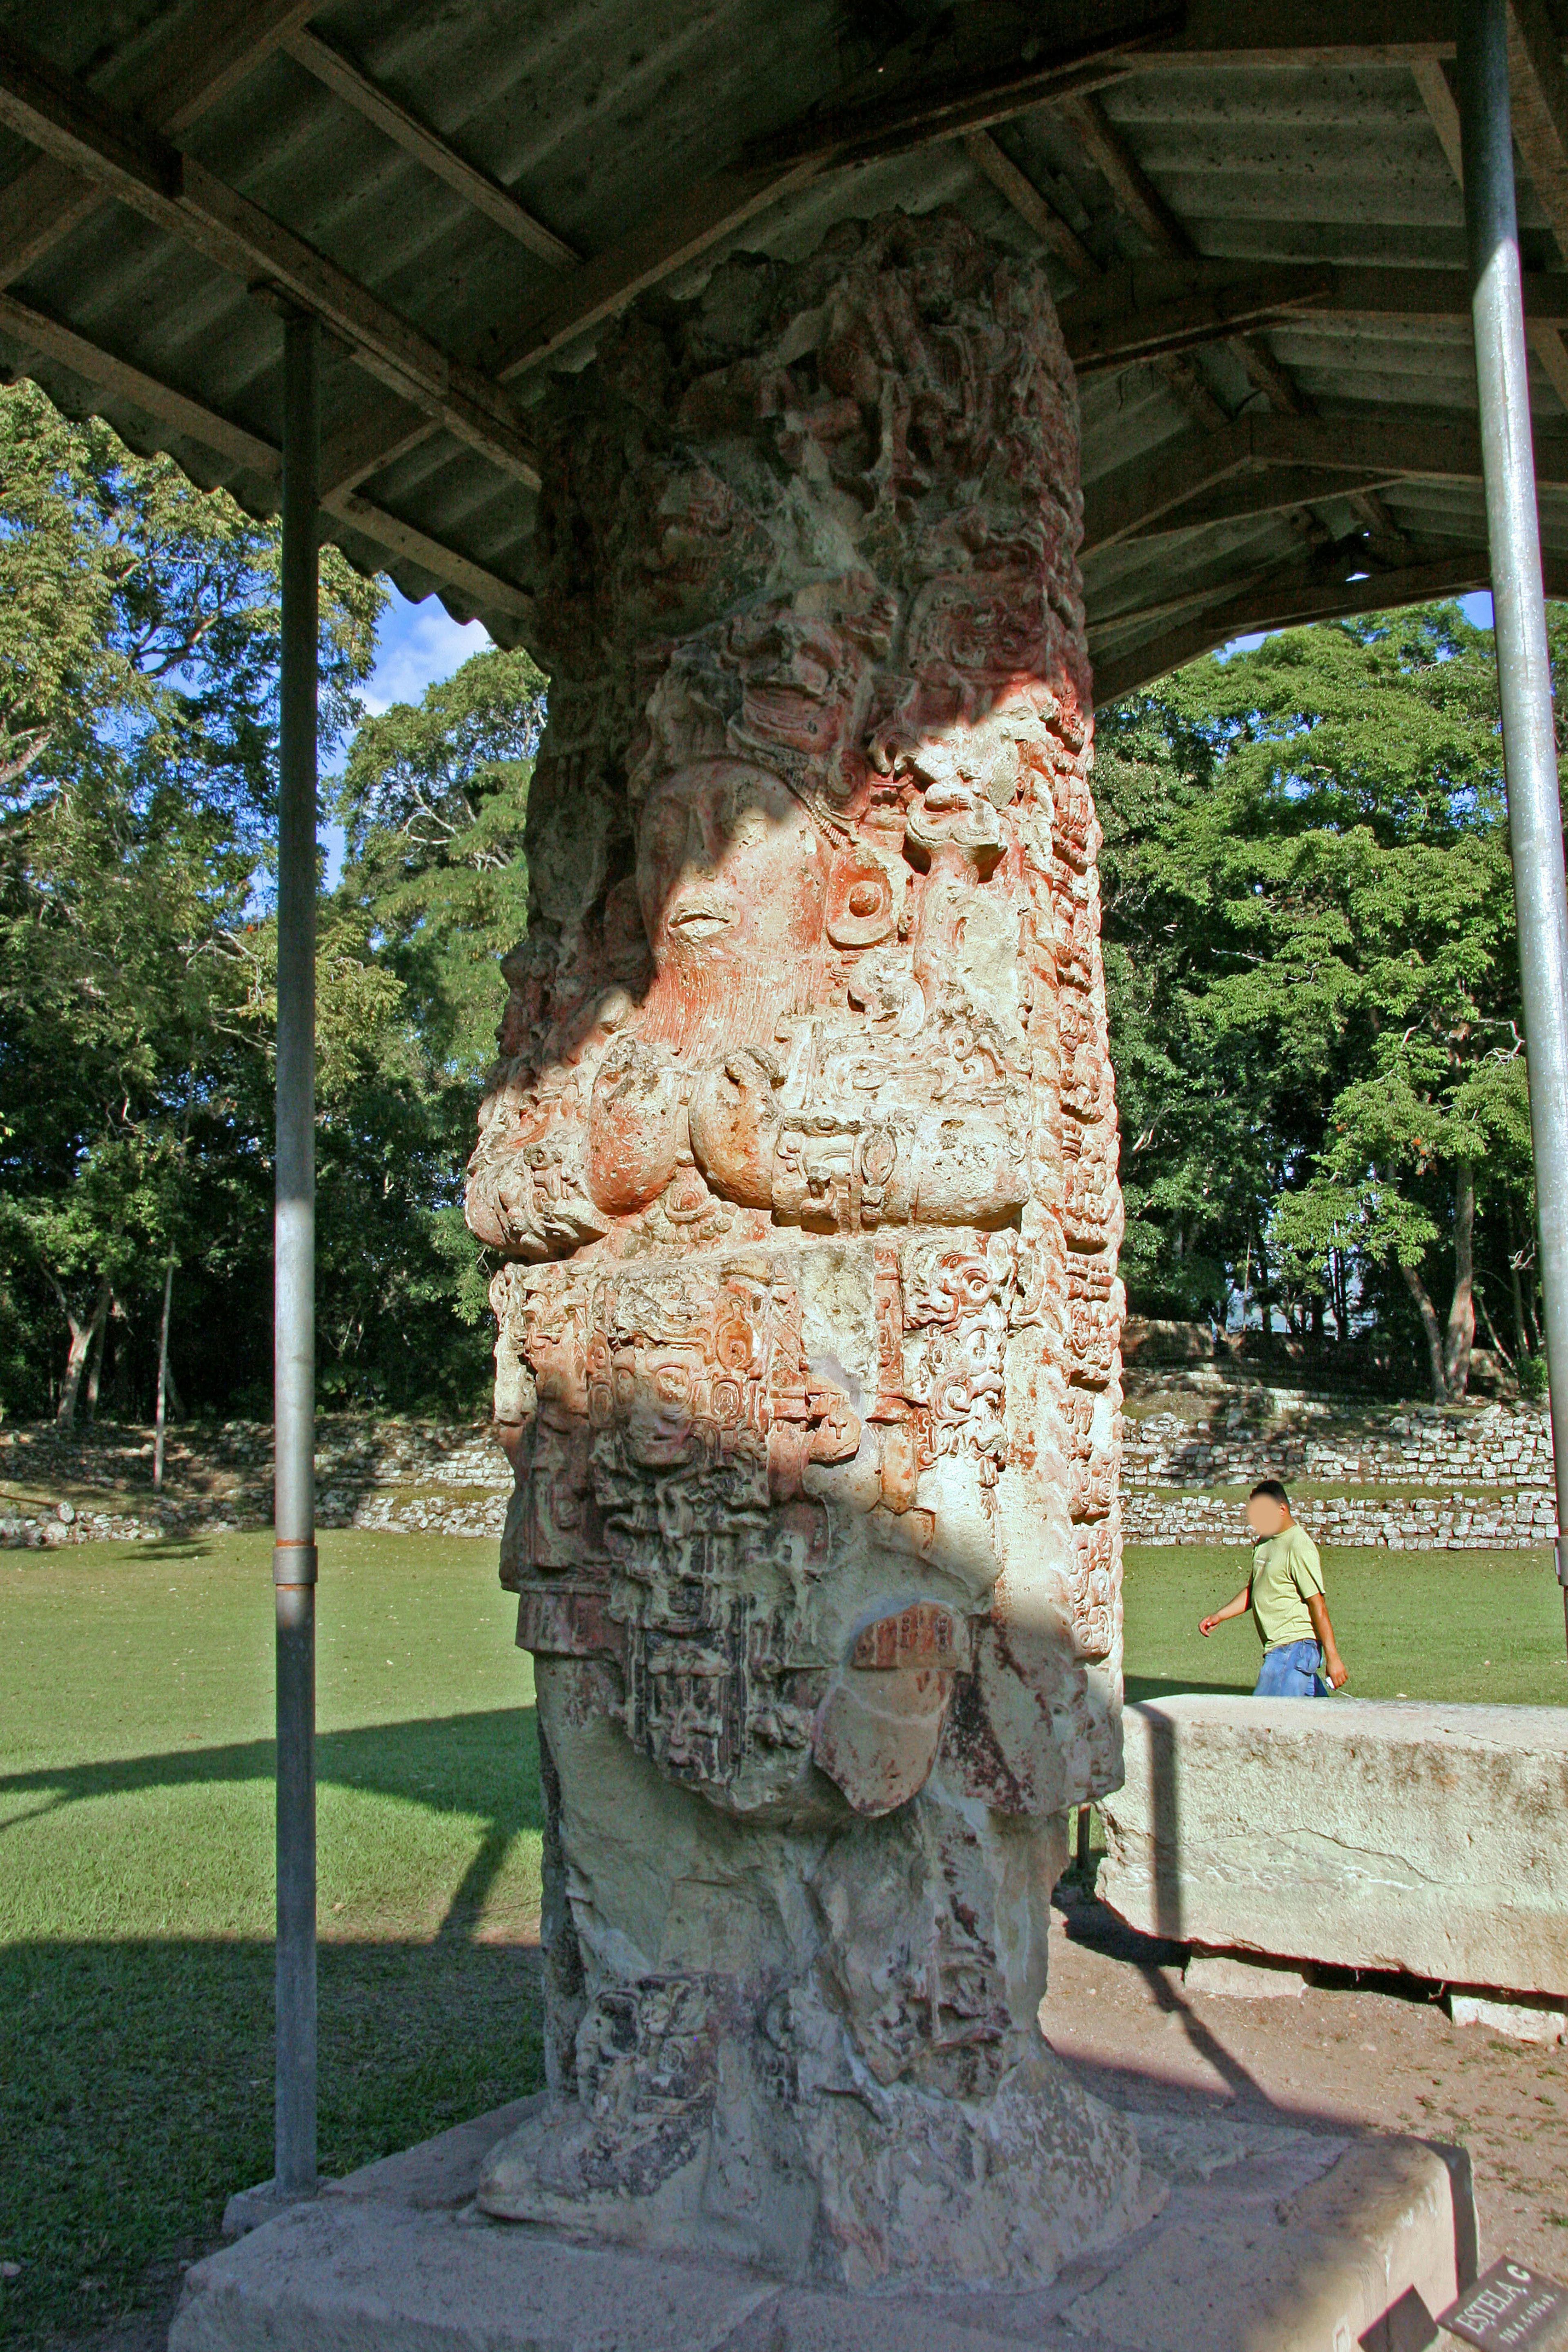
[1285,1570]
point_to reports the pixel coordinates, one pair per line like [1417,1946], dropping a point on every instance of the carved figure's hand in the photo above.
[634,1127]
[968,1170]
[734,1124]
[529,1211]
[527,1189]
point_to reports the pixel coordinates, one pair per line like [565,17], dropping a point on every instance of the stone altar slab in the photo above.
[1359,1833]
[1248,2236]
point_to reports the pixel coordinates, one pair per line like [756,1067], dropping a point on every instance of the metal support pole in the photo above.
[294,1273]
[1524,671]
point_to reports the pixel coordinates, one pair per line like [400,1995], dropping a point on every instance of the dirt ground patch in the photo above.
[1378,2056]
[1381,2055]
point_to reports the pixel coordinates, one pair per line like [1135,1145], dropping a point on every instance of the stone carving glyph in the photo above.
[801,1159]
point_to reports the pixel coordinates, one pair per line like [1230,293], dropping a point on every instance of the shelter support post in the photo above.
[1524,674]
[294,1246]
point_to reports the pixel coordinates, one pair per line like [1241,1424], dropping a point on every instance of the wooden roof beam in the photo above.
[1291,599]
[1048,223]
[824,139]
[181,196]
[1135,193]
[170,84]
[1307,33]
[238,447]
[1534,68]
[1144,308]
[1160,491]
[717,209]
[1140,201]
[1027,200]
[416,138]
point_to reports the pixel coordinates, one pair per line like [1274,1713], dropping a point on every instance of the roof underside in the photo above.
[1252,211]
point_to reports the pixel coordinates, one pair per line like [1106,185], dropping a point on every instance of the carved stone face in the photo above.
[728,870]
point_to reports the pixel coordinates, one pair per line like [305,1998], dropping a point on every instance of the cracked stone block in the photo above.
[1366,1834]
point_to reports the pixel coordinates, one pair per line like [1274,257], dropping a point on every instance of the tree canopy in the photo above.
[1309,933]
[1316,1020]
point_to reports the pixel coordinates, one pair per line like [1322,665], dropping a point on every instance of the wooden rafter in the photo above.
[1029,204]
[1170,488]
[717,209]
[1438,100]
[1291,599]
[237,445]
[180,195]
[487,195]
[1143,308]
[1309,33]
[1143,204]
[170,84]
[1135,192]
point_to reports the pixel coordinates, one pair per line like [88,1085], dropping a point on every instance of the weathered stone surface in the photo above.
[802,1160]
[1246,2237]
[1521,2020]
[1362,1834]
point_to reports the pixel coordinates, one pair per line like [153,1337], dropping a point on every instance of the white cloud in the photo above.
[417,644]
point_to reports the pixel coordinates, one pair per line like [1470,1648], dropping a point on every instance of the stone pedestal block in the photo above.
[1245,2236]
[1364,1834]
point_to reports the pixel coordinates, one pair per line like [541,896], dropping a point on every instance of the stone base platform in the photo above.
[1257,2240]
[1352,1832]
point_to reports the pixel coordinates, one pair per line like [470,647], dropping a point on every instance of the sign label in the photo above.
[1509,2307]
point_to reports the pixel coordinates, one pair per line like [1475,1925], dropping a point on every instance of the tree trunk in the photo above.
[82,1336]
[1428,1314]
[95,1365]
[1513,1278]
[1501,1352]
[162,1416]
[1461,1336]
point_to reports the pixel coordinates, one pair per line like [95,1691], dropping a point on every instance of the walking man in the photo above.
[1285,1594]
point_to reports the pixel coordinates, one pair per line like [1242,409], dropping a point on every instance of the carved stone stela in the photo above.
[801,1159]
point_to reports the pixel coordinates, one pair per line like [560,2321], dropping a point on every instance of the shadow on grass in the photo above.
[1142,1687]
[484,1764]
[136,2094]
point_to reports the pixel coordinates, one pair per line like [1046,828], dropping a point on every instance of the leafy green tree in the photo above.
[1311,955]
[433,802]
[139,640]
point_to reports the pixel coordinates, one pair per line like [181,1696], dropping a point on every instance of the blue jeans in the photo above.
[1292,1672]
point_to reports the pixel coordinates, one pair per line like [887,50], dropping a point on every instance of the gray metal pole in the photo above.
[294,1272]
[1524,673]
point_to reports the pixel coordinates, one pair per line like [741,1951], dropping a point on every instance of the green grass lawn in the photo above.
[1482,1627]
[136,1876]
[136,1852]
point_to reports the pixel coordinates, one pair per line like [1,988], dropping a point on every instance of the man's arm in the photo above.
[1236,1608]
[1334,1666]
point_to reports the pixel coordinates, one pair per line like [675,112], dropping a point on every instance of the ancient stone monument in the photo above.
[802,1158]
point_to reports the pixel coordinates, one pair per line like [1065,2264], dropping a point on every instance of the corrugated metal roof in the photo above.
[599,114]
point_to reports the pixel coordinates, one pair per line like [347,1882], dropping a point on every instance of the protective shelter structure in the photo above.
[326,253]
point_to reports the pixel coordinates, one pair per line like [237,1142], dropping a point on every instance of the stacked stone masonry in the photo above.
[1436,1480]
[409,1478]
[1432,1478]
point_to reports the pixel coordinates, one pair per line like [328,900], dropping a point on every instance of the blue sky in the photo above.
[416,645]
[419,643]
[1477,608]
